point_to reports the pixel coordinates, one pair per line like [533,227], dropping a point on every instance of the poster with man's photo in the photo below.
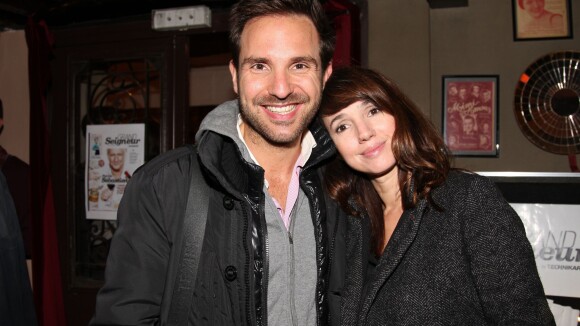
[470,115]
[114,152]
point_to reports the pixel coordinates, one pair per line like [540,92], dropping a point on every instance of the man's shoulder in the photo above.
[180,158]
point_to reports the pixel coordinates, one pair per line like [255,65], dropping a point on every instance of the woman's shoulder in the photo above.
[460,184]
[464,178]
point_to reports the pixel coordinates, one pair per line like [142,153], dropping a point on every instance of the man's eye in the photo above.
[300,66]
[259,66]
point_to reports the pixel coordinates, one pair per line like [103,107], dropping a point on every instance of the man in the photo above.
[462,95]
[468,126]
[16,302]
[17,174]
[486,98]
[272,238]
[114,173]
[475,92]
[116,158]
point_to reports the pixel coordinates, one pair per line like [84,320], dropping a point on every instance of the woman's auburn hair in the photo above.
[422,157]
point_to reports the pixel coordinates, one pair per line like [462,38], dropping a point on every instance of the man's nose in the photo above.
[281,84]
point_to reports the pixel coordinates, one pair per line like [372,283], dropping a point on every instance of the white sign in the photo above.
[554,232]
[114,152]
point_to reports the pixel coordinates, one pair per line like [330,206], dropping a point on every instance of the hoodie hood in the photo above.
[224,154]
[223,120]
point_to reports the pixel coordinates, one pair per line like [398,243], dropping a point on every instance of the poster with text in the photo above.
[470,115]
[114,152]
[553,231]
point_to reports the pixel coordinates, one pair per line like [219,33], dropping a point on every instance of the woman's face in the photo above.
[533,7]
[363,136]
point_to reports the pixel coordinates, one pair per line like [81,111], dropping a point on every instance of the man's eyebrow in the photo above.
[253,60]
[308,59]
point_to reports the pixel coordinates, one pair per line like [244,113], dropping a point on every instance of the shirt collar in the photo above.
[308,143]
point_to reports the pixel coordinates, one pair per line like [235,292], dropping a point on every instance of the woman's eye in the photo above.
[341,128]
[373,111]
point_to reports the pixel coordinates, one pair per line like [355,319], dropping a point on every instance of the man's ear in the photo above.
[234,73]
[327,73]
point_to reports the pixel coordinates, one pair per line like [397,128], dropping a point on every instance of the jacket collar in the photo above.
[222,153]
[402,239]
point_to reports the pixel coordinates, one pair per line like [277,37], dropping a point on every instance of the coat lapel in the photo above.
[402,238]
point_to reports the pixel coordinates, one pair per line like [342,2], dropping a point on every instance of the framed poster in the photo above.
[541,19]
[114,152]
[470,119]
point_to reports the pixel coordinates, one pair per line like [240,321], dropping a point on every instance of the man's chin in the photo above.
[282,138]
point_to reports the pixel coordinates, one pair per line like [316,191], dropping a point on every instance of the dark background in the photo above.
[57,13]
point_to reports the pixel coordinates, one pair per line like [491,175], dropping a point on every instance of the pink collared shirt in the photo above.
[308,143]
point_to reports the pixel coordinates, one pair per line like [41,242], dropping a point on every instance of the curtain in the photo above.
[345,19]
[47,286]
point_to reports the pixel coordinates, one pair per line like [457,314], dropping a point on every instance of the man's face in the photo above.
[453,90]
[486,96]
[116,158]
[279,79]
[467,125]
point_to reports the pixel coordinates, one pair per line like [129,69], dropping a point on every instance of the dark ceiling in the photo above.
[58,13]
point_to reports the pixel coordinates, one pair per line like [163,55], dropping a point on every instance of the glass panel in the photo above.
[108,92]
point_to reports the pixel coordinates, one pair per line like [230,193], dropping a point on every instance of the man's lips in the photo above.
[281,112]
[285,109]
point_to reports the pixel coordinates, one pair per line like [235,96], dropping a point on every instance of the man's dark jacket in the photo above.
[231,285]
[16,302]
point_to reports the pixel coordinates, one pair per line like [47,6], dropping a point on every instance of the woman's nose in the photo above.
[365,132]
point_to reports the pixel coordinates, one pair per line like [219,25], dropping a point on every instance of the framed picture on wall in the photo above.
[470,115]
[541,19]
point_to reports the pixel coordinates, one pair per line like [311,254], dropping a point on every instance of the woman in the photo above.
[427,245]
[540,20]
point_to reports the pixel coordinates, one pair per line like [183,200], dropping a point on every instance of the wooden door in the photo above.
[110,74]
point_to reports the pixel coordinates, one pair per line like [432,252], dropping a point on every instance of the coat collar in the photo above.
[402,239]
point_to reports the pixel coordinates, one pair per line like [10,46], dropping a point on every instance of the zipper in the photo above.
[265,264]
[247,269]
[292,266]
[331,250]
[309,191]
[292,281]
